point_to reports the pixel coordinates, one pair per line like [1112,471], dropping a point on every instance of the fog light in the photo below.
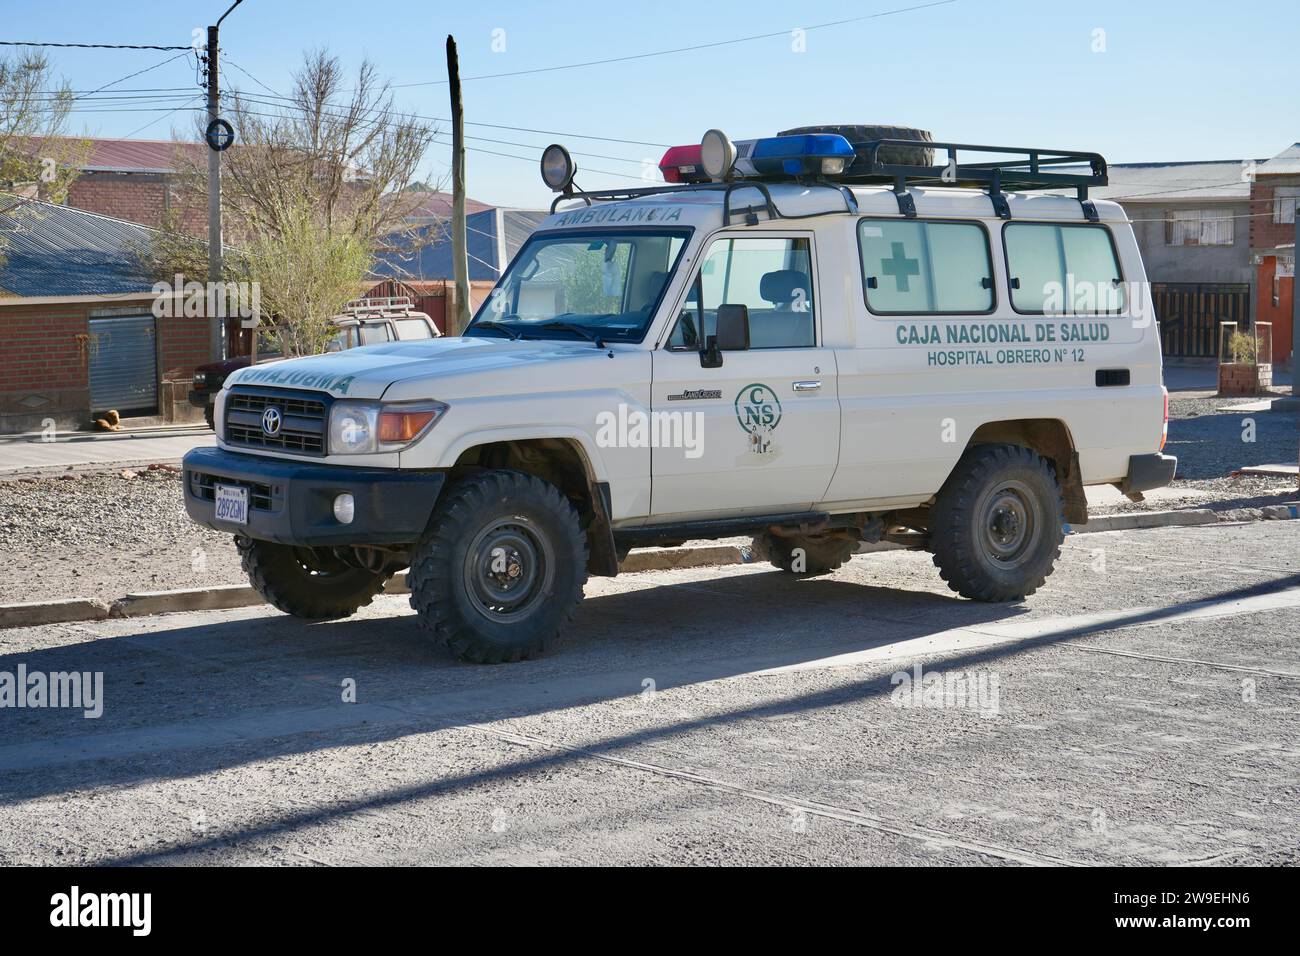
[345,509]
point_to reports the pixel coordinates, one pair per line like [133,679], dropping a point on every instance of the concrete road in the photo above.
[88,452]
[1143,708]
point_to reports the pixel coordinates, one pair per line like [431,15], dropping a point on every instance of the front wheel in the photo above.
[307,582]
[499,573]
[997,526]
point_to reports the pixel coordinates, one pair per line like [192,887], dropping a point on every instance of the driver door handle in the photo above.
[807,386]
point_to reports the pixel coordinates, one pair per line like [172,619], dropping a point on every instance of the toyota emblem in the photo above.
[271,421]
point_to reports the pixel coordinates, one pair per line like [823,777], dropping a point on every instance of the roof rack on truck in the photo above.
[830,161]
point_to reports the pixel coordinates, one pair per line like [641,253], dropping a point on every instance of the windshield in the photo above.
[603,285]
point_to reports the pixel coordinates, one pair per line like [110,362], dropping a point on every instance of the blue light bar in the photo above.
[808,154]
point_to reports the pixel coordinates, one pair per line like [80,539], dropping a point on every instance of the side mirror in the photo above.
[732,335]
[733,328]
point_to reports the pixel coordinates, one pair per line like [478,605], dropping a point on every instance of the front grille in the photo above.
[204,487]
[304,421]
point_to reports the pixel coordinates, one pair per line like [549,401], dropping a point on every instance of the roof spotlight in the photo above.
[558,168]
[717,154]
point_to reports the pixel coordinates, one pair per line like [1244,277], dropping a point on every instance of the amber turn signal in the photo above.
[402,427]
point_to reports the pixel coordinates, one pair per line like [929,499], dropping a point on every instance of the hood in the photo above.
[369,371]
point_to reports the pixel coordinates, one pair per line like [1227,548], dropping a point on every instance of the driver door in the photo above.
[766,424]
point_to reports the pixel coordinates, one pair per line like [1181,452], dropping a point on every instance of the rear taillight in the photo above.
[1164,429]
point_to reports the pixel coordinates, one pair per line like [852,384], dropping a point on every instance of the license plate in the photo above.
[232,504]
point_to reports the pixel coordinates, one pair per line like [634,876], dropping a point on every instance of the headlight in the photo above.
[363,428]
[200,379]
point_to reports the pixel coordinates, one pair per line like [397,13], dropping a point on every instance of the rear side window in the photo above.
[413,329]
[374,334]
[1062,269]
[915,267]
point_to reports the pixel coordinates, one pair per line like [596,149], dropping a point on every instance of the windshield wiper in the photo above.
[582,330]
[514,334]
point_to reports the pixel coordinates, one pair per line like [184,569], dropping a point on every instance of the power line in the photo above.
[93,46]
[686,49]
[137,73]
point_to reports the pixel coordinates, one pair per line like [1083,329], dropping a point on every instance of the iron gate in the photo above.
[1190,314]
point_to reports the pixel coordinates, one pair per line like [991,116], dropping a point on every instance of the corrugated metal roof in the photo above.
[1285,163]
[57,250]
[1209,180]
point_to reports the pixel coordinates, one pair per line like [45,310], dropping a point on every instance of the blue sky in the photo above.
[1176,80]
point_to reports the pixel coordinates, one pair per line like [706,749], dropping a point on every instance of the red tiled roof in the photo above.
[437,205]
[134,155]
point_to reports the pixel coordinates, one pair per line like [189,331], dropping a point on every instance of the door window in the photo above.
[771,277]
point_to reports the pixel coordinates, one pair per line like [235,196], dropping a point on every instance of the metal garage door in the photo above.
[123,364]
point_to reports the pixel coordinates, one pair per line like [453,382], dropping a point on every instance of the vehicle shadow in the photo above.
[191,700]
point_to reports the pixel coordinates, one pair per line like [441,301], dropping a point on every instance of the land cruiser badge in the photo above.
[758,411]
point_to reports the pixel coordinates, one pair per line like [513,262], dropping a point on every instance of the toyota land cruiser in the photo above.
[810,340]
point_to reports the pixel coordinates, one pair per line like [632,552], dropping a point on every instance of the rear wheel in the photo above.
[499,573]
[997,526]
[805,554]
[306,582]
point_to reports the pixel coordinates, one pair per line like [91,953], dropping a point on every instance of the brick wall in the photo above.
[1264,232]
[45,363]
[146,198]
[43,366]
[134,197]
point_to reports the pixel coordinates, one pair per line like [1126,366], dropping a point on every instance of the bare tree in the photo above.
[37,158]
[337,156]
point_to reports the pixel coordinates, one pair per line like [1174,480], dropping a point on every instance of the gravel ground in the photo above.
[104,535]
[1211,443]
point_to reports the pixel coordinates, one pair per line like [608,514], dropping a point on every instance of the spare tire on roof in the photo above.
[902,155]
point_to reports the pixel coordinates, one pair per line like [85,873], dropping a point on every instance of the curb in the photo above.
[32,613]
[1146,519]
[668,559]
[219,598]
[86,468]
[225,597]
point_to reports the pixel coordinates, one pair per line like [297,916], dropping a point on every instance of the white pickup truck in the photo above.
[812,341]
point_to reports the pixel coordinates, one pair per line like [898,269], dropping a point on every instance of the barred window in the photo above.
[1200,227]
[1284,203]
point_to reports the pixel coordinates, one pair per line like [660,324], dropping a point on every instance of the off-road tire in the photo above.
[466,605]
[209,416]
[822,553]
[919,155]
[307,583]
[975,531]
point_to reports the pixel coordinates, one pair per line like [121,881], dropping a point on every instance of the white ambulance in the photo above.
[817,339]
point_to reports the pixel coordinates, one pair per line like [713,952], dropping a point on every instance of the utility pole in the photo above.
[459,252]
[215,337]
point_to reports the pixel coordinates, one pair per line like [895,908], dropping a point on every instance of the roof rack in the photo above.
[1031,168]
[1027,168]
[750,212]
[380,304]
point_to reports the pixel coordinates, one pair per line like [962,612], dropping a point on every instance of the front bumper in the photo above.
[291,502]
[1148,471]
[200,399]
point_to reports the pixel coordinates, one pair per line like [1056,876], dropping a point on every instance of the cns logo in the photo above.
[759,412]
